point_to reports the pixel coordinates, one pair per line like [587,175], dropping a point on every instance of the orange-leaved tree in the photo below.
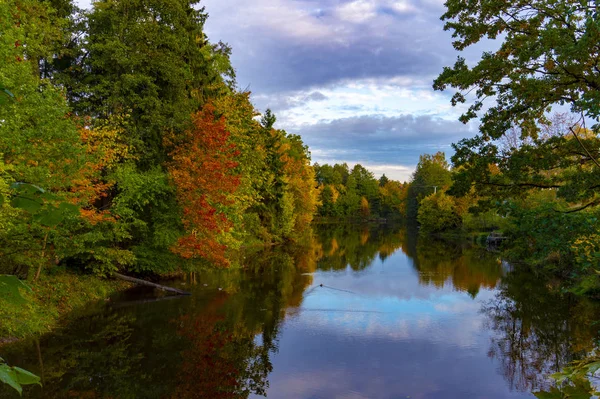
[202,170]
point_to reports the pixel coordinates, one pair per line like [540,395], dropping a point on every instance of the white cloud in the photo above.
[403,6]
[358,11]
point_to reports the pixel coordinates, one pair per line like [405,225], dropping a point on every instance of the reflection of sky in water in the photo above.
[377,333]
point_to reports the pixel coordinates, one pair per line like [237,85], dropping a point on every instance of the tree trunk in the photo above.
[43,256]
[149,284]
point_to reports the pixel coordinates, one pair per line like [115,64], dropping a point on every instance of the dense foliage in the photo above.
[125,144]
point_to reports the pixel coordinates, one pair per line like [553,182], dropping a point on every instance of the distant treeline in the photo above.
[355,193]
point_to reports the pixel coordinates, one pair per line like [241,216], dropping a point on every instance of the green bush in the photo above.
[437,213]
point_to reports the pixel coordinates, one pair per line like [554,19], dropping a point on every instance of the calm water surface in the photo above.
[358,312]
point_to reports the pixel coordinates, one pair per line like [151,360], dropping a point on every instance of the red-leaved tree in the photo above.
[202,170]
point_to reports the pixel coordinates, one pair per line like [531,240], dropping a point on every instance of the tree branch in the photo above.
[584,148]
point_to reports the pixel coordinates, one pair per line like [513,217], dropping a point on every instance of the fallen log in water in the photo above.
[149,284]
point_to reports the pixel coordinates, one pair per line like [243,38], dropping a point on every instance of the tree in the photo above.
[250,140]
[328,197]
[432,174]
[340,173]
[437,213]
[383,180]
[548,56]
[365,210]
[43,156]
[268,119]
[201,171]
[393,199]
[300,179]
[366,186]
[151,60]
[350,200]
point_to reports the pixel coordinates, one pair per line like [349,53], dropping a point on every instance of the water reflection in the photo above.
[464,269]
[356,311]
[537,330]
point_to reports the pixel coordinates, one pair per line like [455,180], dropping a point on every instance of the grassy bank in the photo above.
[50,298]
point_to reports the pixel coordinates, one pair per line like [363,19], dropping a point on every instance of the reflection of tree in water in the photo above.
[97,356]
[220,361]
[439,262]
[356,246]
[224,359]
[536,331]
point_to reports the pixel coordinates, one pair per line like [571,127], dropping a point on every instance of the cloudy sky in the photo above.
[352,77]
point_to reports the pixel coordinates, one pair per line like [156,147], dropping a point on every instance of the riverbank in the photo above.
[51,298]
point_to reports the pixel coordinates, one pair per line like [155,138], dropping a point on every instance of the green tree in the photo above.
[366,186]
[151,60]
[43,156]
[350,199]
[268,119]
[327,198]
[548,57]
[431,175]
[383,180]
[340,173]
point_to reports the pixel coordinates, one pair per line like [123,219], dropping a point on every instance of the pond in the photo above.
[356,312]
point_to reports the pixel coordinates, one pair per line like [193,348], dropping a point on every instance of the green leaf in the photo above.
[27,204]
[9,376]
[25,377]
[53,216]
[553,394]
[10,289]
[16,377]
[50,217]
[593,367]
[26,188]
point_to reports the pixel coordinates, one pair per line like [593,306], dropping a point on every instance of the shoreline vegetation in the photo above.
[51,299]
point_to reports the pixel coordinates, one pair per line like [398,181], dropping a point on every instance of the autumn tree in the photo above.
[150,64]
[151,60]
[365,209]
[99,116]
[201,171]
